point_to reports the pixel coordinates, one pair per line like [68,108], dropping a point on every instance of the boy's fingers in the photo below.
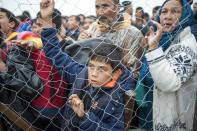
[72,96]
[76,101]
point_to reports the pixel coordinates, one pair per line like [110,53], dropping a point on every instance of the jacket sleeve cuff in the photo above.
[155,55]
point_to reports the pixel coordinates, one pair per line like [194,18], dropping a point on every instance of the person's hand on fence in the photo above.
[46,8]
[154,37]
[77,105]
[27,45]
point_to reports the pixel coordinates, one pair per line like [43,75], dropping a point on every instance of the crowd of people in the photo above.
[103,72]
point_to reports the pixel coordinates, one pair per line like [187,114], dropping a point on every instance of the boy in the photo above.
[97,96]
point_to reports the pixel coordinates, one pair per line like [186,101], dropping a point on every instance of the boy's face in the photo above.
[99,73]
[41,23]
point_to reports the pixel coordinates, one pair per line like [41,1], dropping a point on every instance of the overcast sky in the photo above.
[69,7]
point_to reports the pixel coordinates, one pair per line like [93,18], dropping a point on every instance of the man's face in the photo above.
[99,73]
[72,23]
[40,24]
[87,23]
[106,11]
[6,27]
[138,13]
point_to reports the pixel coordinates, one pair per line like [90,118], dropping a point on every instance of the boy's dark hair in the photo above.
[10,16]
[108,53]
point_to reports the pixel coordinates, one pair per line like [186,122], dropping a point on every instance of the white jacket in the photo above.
[175,79]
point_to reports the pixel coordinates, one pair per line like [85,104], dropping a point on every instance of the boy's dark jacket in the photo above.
[105,106]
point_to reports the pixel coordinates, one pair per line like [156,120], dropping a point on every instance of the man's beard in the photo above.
[103,19]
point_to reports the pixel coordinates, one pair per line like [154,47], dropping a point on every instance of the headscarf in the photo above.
[145,78]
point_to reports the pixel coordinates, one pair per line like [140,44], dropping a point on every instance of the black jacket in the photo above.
[20,85]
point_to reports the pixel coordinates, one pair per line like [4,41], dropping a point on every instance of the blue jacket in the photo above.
[109,111]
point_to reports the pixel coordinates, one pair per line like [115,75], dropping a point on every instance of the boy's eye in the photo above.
[101,69]
[91,66]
